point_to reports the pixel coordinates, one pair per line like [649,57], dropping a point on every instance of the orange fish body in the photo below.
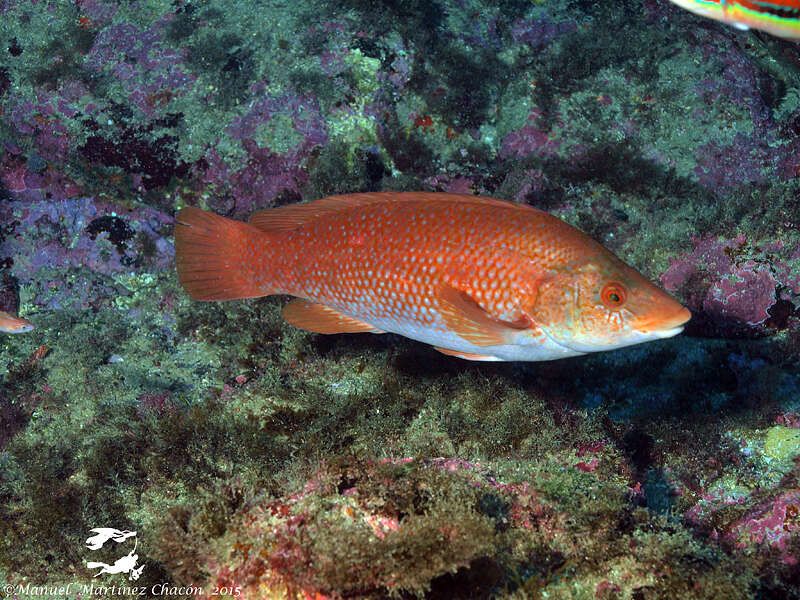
[12,324]
[476,277]
[777,17]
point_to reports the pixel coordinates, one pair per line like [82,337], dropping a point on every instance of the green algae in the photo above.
[781,444]
[278,134]
[364,70]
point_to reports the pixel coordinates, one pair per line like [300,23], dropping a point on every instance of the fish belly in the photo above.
[526,347]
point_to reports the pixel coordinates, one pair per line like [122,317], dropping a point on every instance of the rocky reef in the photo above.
[254,460]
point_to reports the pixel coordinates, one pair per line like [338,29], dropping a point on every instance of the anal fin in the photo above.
[319,318]
[467,355]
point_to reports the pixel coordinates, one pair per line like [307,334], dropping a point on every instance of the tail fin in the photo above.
[219,258]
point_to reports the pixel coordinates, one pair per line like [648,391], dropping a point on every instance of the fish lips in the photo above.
[666,333]
[665,327]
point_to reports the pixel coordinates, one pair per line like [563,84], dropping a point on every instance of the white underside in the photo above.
[525,345]
[526,348]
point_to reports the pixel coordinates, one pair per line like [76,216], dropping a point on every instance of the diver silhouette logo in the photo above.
[107,533]
[126,564]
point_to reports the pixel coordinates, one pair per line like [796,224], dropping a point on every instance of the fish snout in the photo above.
[23,328]
[666,326]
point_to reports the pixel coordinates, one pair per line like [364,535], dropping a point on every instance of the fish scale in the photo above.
[476,277]
[400,277]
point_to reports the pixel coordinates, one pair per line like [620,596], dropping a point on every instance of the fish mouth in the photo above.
[692,6]
[669,326]
[667,333]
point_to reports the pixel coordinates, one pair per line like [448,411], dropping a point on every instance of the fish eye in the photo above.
[613,294]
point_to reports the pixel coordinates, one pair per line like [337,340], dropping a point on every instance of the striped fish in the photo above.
[780,18]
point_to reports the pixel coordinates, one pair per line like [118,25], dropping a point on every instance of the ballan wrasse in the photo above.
[476,277]
[777,17]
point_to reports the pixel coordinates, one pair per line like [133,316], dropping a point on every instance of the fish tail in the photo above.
[219,258]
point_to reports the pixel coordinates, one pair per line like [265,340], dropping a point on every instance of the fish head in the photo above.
[22,326]
[13,324]
[601,304]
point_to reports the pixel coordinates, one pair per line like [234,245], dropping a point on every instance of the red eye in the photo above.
[613,294]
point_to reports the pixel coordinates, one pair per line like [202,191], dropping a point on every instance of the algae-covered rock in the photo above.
[782,444]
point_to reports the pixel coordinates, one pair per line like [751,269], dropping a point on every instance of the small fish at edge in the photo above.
[13,324]
[780,18]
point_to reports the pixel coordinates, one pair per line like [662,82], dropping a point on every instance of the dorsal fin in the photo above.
[285,218]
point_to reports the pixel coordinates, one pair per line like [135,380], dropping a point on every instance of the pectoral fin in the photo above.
[467,319]
[322,319]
